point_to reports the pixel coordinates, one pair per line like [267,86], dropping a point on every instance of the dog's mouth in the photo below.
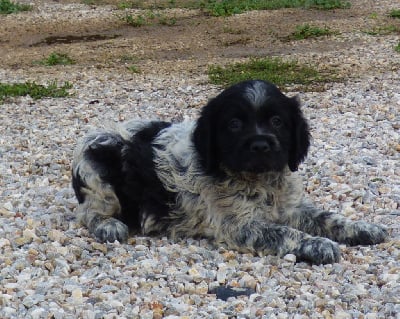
[255,154]
[257,164]
[262,165]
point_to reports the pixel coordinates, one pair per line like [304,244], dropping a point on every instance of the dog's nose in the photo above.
[260,146]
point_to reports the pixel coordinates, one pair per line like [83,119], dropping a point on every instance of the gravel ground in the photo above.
[50,267]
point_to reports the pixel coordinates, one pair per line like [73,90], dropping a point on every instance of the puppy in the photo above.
[230,176]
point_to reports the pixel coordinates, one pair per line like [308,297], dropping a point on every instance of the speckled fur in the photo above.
[168,179]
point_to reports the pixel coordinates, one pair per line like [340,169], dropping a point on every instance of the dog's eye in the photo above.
[276,121]
[235,125]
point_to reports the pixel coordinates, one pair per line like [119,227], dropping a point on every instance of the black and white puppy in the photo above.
[230,176]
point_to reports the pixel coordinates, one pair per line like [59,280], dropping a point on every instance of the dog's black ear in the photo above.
[300,136]
[204,137]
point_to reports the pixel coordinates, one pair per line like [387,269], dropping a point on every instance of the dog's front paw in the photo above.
[111,229]
[318,250]
[363,233]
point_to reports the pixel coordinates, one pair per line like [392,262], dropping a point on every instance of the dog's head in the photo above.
[251,127]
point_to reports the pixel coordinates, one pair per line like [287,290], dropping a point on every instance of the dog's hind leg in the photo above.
[96,169]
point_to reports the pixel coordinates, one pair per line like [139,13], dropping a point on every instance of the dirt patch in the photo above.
[68,39]
[98,36]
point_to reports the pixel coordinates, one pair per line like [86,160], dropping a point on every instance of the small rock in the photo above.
[202,288]
[6,213]
[37,313]
[386,278]
[77,295]
[248,281]
[49,266]
[29,233]
[222,274]
[4,242]
[99,246]
[30,301]
[229,255]
[20,241]
[9,311]
[8,206]
[369,160]
[342,315]
[290,258]
[116,304]
[56,235]
[194,272]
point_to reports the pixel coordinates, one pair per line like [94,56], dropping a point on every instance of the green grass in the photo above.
[395,13]
[57,59]
[36,91]
[168,21]
[130,62]
[327,4]
[128,58]
[373,15]
[134,21]
[129,5]
[89,2]
[150,17]
[271,69]
[8,7]
[158,4]
[306,31]
[231,7]
[383,30]
[124,5]
[397,47]
[134,69]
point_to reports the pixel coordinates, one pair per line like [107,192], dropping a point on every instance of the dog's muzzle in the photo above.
[261,144]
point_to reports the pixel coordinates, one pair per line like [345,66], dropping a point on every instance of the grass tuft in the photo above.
[306,31]
[225,7]
[231,7]
[148,18]
[36,91]
[168,21]
[383,30]
[159,4]
[274,70]
[397,47]
[57,59]
[327,4]
[134,69]
[395,13]
[8,7]
[125,5]
[134,21]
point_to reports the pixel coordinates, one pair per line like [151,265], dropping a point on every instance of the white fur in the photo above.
[257,94]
